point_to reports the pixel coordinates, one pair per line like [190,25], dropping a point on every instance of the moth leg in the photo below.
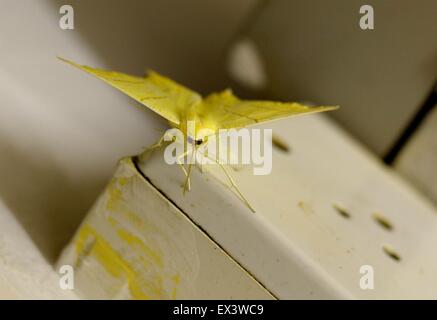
[178,160]
[231,180]
[201,167]
[202,153]
[187,185]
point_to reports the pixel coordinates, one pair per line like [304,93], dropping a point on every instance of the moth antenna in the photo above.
[154,146]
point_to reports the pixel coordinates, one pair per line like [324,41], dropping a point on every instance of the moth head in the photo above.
[196,133]
[196,141]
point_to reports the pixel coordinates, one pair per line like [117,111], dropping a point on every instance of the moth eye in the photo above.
[199,142]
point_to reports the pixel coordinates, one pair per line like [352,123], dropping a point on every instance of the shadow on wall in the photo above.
[44,200]
[185,40]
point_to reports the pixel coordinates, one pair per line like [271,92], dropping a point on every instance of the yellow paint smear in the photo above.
[133,260]
[142,284]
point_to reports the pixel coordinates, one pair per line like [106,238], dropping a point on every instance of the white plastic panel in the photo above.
[135,244]
[297,244]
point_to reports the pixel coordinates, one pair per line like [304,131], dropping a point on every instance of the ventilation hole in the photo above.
[280,144]
[341,211]
[391,252]
[382,221]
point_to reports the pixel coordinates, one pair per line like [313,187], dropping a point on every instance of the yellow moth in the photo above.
[180,105]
